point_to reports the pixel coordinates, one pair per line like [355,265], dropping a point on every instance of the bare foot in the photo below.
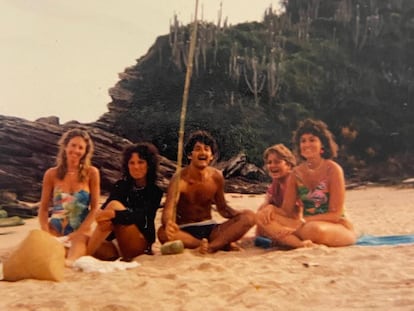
[69,263]
[235,247]
[203,248]
[308,243]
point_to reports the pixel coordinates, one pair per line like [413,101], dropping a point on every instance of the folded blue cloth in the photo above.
[370,240]
[263,242]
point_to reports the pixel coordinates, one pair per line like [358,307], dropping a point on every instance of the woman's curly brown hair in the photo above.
[147,152]
[320,129]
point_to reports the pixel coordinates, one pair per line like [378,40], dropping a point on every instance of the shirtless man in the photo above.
[199,187]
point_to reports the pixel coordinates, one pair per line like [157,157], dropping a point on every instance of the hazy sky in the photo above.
[60,57]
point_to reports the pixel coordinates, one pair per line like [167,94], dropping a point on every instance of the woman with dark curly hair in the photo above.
[129,212]
[318,185]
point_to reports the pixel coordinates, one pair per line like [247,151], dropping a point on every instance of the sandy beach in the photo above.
[320,278]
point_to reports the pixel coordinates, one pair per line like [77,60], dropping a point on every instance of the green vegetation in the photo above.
[347,62]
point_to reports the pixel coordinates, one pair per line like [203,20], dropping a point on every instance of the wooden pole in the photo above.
[193,40]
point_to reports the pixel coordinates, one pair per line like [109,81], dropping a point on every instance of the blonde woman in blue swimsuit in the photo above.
[73,186]
[318,184]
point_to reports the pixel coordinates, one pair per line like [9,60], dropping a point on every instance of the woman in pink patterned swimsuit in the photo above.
[318,184]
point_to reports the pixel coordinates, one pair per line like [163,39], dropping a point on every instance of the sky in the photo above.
[60,57]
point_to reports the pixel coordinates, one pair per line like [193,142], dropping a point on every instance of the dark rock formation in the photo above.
[243,177]
[238,166]
[28,148]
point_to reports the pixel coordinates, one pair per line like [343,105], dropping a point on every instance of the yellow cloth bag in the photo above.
[40,256]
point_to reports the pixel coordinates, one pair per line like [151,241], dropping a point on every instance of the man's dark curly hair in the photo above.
[201,137]
[146,151]
[320,129]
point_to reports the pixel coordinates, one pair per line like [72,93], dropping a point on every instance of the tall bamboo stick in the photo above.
[193,40]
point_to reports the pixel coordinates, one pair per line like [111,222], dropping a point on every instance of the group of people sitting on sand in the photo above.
[303,206]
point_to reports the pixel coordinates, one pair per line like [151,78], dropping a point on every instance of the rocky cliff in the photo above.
[28,148]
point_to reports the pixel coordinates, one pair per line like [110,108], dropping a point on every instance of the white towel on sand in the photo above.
[91,264]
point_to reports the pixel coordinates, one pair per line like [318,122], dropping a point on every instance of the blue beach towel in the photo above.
[263,242]
[370,240]
[365,240]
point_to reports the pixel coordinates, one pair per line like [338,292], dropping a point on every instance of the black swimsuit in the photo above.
[141,207]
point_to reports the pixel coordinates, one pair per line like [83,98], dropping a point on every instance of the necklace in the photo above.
[314,169]
[138,188]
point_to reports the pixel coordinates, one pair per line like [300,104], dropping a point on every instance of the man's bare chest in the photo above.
[199,193]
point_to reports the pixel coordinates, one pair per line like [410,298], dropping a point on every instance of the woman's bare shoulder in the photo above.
[51,172]
[50,175]
[334,170]
[93,170]
[333,165]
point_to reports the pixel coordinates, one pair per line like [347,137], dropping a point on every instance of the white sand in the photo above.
[322,278]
